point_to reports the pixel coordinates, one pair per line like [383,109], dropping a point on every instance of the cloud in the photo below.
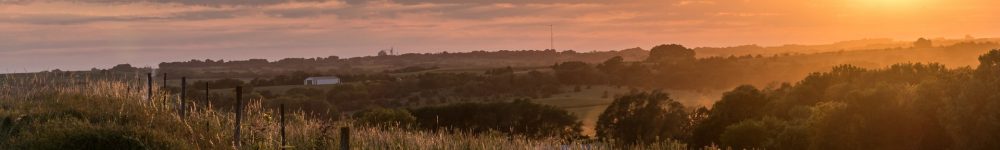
[214,3]
[694,2]
[487,2]
[150,31]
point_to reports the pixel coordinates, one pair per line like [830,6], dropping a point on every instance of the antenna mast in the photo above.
[552,39]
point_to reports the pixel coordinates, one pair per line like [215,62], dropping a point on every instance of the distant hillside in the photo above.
[480,60]
[863,44]
[334,64]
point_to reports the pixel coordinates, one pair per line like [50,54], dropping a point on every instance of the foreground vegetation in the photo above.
[65,111]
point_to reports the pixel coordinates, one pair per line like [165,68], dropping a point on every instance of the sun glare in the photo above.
[895,5]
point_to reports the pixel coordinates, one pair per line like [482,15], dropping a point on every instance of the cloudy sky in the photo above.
[79,34]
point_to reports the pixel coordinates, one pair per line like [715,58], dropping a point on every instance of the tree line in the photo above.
[408,62]
[675,67]
[904,106]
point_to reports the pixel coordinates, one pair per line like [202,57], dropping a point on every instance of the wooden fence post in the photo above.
[206,95]
[183,95]
[345,138]
[138,83]
[149,89]
[281,112]
[166,97]
[239,115]
[164,81]
[128,89]
[206,107]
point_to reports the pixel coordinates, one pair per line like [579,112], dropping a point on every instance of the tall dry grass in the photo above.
[102,111]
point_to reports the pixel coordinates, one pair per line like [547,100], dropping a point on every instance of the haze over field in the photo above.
[42,35]
[500,74]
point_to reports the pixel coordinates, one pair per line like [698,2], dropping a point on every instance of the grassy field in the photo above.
[57,112]
[475,70]
[587,104]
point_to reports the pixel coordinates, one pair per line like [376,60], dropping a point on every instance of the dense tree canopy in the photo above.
[972,117]
[641,118]
[922,43]
[904,106]
[672,53]
[744,102]
[576,72]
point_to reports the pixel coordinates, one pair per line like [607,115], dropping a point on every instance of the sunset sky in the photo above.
[40,35]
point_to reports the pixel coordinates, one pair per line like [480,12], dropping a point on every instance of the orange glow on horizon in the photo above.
[354,28]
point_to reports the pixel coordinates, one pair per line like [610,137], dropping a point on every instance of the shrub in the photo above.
[383,116]
[519,117]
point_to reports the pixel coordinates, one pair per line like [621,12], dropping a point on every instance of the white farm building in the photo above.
[322,80]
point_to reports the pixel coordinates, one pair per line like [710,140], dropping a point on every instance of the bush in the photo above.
[519,117]
[751,134]
[383,116]
[92,138]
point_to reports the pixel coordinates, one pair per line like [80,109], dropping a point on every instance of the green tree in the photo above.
[742,103]
[612,65]
[640,118]
[989,66]
[123,68]
[973,117]
[672,53]
[753,133]
[922,43]
[614,69]
[576,72]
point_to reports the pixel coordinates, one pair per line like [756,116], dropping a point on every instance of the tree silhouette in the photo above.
[922,43]
[742,103]
[640,118]
[671,54]
[576,72]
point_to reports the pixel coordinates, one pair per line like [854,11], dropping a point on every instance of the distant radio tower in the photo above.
[552,38]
